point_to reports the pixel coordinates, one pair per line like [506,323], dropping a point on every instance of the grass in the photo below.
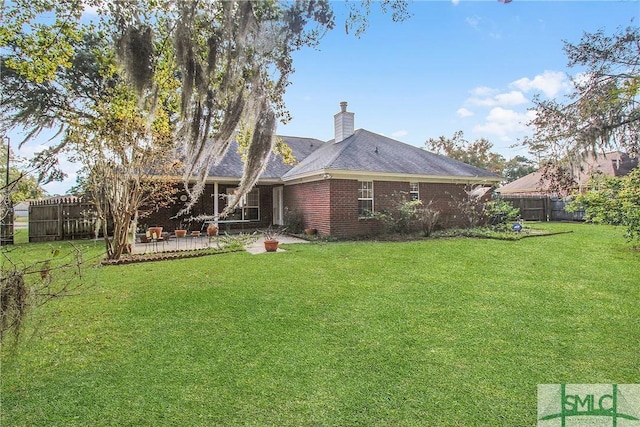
[437,332]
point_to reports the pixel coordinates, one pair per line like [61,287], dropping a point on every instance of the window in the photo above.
[365,199]
[249,206]
[414,190]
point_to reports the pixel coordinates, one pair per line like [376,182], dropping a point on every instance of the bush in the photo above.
[428,218]
[498,212]
[293,221]
[399,217]
[470,209]
[613,201]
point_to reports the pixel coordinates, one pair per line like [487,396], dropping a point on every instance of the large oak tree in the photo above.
[205,69]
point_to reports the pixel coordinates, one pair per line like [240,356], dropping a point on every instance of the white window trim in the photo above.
[372,198]
[417,192]
[242,205]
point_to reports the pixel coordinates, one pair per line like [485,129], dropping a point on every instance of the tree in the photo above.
[517,167]
[613,200]
[22,186]
[477,153]
[118,139]
[231,62]
[66,98]
[602,112]
[129,162]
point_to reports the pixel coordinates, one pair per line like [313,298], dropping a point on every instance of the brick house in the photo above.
[334,184]
[613,164]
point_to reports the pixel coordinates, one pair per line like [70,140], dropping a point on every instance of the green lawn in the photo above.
[453,332]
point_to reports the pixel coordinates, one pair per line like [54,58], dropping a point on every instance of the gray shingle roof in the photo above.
[370,152]
[615,163]
[363,151]
[231,165]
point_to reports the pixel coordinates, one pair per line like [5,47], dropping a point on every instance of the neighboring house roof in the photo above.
[615,164]
[528,184]
[21,206]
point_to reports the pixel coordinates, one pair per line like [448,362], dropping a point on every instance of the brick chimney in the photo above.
[343,123]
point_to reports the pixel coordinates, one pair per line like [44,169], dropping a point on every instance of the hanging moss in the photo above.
[14,301]
[135,53]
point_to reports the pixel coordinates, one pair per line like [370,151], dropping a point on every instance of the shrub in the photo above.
[470,208]
[428,218]
[613,201]
[498,212]
[401,213]
[293,221]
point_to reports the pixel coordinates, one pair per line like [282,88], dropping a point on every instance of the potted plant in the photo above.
[271,239]
[155,232]
[181,231]
[212,230]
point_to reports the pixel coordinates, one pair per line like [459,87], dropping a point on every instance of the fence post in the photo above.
[60,222]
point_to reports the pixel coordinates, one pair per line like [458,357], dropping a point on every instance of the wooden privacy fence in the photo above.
[532,208]
[61,219]
[542,208]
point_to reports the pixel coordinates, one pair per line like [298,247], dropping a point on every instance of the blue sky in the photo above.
[455,65]
[463,65]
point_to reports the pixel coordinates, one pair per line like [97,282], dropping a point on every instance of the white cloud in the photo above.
[551,83]
[455,2]
[582,79]
[463,112]
[482,91]
[399,133]
[502,99]
[503,122]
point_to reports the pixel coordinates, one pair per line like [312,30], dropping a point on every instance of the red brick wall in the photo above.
[444,197]
[344,209]
[339,217]
[330,206]
[310,200]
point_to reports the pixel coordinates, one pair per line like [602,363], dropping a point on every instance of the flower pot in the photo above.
[157,231]
[270,245]
[212,230]
[310,231]
[181,233]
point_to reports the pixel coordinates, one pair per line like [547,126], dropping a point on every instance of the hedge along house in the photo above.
[335,185]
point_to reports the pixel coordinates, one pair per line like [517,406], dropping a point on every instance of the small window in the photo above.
[365,199]
[414,190]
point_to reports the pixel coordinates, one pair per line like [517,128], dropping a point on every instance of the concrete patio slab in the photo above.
[257,247]
[189,243]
